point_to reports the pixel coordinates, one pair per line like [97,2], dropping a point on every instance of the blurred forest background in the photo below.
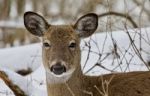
[113,15]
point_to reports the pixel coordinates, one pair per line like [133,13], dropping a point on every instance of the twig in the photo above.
[136,49]
[87,92]
[16,89]
[143,7]
[105,86]
[126,16]
[88,56]
[72,93]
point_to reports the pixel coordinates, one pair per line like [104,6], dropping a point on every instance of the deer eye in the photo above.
[46,44]
[72,45]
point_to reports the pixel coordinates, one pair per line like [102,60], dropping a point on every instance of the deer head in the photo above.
[61,43]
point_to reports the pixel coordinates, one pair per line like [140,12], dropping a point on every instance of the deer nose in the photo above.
[58,69]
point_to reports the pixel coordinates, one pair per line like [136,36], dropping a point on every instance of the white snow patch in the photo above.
[12,59]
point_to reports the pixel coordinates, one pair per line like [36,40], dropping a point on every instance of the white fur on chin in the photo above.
[56,79]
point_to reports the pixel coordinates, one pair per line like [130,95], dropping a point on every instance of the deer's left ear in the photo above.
[86,25]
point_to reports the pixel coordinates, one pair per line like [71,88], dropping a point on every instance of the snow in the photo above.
[29,56]
[11,23]
[23,57]
[25,84]
[128,60]
[4,90]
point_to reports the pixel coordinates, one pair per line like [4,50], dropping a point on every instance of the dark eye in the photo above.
[72,45]
[46,44]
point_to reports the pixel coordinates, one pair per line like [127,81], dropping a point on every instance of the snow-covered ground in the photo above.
[113,51]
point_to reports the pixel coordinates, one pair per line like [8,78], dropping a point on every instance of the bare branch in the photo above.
[16,89]
[143,7]
[126,16]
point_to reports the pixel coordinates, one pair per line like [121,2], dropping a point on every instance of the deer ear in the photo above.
[35,23]
[86,25]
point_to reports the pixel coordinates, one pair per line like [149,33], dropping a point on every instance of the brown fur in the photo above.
[59,38]
[122,84]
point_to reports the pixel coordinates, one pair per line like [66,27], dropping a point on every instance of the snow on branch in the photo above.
[20,85]
[17,83]
[15,88]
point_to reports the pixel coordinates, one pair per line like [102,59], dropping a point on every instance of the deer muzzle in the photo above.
[58,68]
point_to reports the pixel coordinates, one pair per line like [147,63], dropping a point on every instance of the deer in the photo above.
[61,56]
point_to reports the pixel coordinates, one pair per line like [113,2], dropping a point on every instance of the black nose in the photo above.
[58,69]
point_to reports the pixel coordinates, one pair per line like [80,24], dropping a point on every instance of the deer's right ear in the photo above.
[35,23]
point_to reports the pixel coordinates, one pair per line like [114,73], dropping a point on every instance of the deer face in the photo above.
[61,50]
[61,43]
